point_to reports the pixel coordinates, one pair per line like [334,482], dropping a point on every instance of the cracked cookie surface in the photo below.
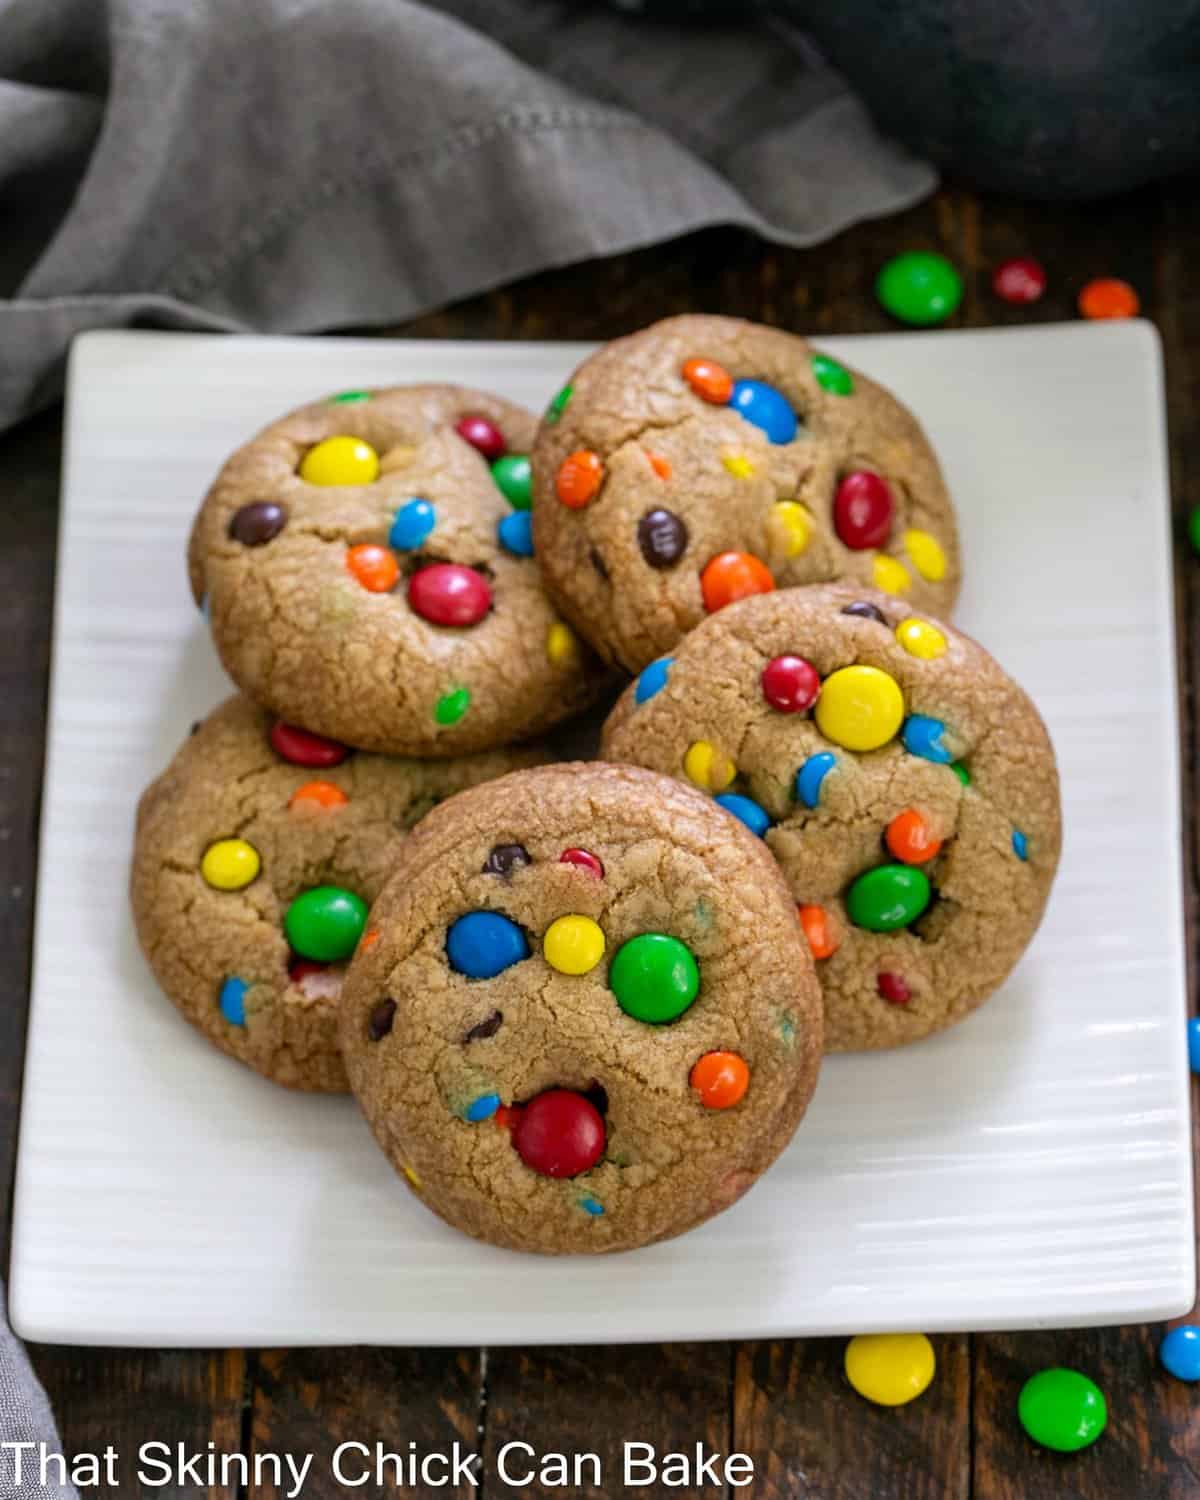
[590,1021]
[232,842]
[705,458]
[904,782]
[366,566]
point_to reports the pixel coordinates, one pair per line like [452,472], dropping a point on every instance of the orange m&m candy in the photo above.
[374,567]
[909,839]
[721,1079]
[823,941]
[731,576]
[579,477]
[709,380]
[318,794]
[1109,297]
[660,465]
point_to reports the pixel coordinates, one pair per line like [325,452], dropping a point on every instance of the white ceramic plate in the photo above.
[1030,1167]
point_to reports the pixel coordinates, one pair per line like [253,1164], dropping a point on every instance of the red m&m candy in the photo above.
[893,989]
[484,436]
[863,509]
[790,684]
[449,594]
[582,859]
[1019,280]
[304,749]
[560,1133]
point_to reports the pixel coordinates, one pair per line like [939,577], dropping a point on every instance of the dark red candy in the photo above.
[663,538]
[505,858]
[257,523]
[582,859]
[301,968]
[560,1134]
[449,594]
[894,990]
[304,749]
[379,1024]
[482,435]
[862,510]
[1019,280]
[790,684]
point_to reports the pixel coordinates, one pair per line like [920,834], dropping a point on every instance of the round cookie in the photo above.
[366,566]
[258,852]
[590,1021]
[706,458]
[905,783]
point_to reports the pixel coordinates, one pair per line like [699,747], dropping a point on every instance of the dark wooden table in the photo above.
[786,1403]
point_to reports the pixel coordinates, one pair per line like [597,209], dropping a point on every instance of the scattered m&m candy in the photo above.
[513,477]
[412,525]
[562,646]
[766,408]
[709,380]
[662,537]
[790,684]
[258,523]
[1109,297]
[721,1079]
[481,1108]
[889,897]
[652,679]
[1062,1409]
[325,923]
[514,532]
[747,811]
[579,478]
[340,461]
[893,988]
[232,1000]
[483,435]
[1193,1043]
[860,708]
[819,932]
[707,767]
[731,576]
[482,944]
[559,1133]
[582,859]
[559,404]
[451,706]
[919,287]
[503,859]
[925,736]
[909,839]
[449,594]
[1180,1352]
[318,795]
[831,376]
[889,575]
[1193,526]
[1021,279]
[573,944]
[926,553]
[862,510]
[654,978]
[890,1369]
[921,639]
[375,568]
[788,528]
[305,749]
[811,775]
[230,864]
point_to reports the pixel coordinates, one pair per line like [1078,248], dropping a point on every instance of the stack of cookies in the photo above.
[583,1005]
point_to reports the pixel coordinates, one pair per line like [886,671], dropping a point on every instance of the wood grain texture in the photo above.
[593,1400]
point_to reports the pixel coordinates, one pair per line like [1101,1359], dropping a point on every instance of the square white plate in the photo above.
[1030,1167]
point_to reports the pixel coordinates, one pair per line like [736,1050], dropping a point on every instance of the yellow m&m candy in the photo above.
[927,555]
[340,460]
[573,944]
[738,465]
[710,768]
[860,708]
[890,1369]
[789,528]
[920,638]
[561,645]
[890,575]
[229,864]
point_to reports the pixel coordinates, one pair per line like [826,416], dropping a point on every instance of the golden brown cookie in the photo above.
[704,459]
[904,782]
[367,571]
[590,1021]
[258,851]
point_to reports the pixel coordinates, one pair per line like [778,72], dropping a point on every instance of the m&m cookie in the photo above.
[366,565]
[706,459]
[906,785]
[258,853]
[590,1020]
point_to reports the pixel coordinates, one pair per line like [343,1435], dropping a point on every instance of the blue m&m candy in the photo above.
[483,944]
[653,679]
[482,1108]
[1180,1352]
[515,533]
[746,810]
[810,776]
[1020,844]
[414,521]
[923,736]
[1194,1044]
[232,1000]
[766,408]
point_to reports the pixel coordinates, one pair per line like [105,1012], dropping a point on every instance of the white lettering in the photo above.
[502,1466]
[157,1466]
[338,1474]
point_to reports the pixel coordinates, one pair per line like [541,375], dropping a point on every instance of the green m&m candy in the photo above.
[889,897]
[1194,528]
[514,479]
[1062,1409]
[919,287]
[325,923]
[654,978]
[559,405]
[831,376]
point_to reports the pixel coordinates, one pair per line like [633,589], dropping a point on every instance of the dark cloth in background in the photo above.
[293,165]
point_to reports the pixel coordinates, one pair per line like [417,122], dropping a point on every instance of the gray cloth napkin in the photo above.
[25,1417]
[293,165]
